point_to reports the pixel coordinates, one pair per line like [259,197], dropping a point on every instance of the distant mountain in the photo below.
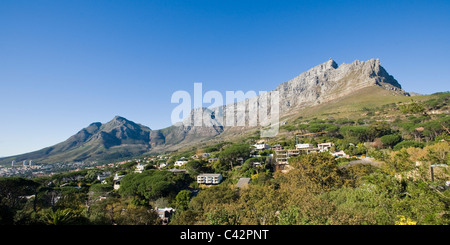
[115,139]
[120,138]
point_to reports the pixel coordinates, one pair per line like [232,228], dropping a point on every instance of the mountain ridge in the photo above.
[121,137]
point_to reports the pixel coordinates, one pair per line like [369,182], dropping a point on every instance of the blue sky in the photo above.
[66,64]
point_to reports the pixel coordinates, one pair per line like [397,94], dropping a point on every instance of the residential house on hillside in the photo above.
[165,214]
[277,147]
[117,179]
[307,148]
[243,183]
[325,146]
[340,153]
[180,163]
[304,146]
[209,179]
[282,156]
[178,171]
[139,168]
[261,147]
[102,176]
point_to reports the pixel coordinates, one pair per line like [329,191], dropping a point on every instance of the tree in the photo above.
[194,167]
[321,170]
[413,107]
[61,217]
[232,153]
[182,200]
[361,133]
[12,193]
[390,140]
[149,185]
[378,129]
[407,144]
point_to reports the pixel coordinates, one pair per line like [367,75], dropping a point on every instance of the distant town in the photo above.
[278,155]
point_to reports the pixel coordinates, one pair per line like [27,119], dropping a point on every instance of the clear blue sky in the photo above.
[65,64]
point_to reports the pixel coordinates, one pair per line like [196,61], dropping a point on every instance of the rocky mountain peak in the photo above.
[329,81]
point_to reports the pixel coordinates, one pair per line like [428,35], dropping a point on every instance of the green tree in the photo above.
[194,167]
[361,133]
[321,170]
[412,108]
[232,153]
[379,129]
[407,144]
[182,200]
[149,185]
[390,140]
[59,217]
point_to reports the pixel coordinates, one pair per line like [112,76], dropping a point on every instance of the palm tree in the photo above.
[59,217]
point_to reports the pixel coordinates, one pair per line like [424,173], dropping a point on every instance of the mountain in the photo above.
[321,84]
[328,81]
[115,139]
[120,138]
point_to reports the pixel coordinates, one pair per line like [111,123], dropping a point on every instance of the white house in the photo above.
[304,146]
[139,168]
[261,146]
[209,179]
[180,163]
[339,154]
[325,146]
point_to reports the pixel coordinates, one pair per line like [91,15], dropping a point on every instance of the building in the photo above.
[139,168]
[209,179]
[325,146]
[117,179]
[277,147]
[304,146]
[282,156]
[165,214]
[180,163]
[261,147]
[339,154]
[178,171]
[243,183]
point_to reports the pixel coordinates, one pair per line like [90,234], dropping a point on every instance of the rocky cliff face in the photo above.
[329,81]
[322,83]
